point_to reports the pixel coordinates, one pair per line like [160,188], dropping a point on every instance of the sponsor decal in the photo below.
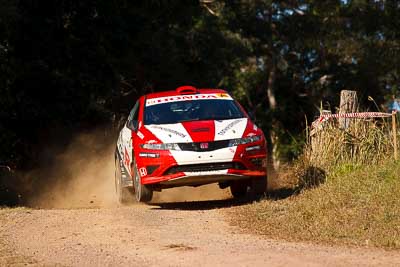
[126,158]
[170,131]
[206,173]
[223,95]
[169,99]
[228,127]
[142,171]
[141,136]
[199,130]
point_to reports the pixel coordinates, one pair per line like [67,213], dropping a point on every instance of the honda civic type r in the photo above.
[189,137]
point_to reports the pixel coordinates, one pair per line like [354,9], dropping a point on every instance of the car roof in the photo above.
[176,92]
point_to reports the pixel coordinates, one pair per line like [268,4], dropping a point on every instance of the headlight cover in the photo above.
[167,146]
[245,140]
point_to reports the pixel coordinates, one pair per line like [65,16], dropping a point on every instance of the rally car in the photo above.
[189,137]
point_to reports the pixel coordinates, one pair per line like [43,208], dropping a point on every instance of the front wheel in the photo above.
[258,187]
[124,196]
[239,189]
[142,192]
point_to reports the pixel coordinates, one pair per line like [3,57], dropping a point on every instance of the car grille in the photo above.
[205,167]
[204,146]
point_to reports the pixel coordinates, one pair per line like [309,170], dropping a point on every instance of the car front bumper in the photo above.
[184,168]
[202,178]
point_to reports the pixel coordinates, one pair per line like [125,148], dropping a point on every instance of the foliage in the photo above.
[67,65]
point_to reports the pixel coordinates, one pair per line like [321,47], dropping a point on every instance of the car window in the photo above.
[181,111]
[133,115]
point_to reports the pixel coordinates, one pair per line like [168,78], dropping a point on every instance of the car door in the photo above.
[125,139]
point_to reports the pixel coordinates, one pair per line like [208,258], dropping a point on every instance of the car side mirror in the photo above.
[133,125]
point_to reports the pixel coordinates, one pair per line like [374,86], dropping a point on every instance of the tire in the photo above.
[239,189]
[258,187]
[142,192]
[124,196]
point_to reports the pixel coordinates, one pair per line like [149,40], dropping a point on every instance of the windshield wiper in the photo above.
[193,119]
[226,118]
[211,118]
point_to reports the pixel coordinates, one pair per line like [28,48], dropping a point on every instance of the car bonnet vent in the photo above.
[187,89]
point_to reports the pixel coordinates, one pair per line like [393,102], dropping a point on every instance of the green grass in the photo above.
[357,205]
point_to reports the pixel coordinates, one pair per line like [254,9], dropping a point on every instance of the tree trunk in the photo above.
[270,86]
[271,135]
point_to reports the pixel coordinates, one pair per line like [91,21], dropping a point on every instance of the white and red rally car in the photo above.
[189,137]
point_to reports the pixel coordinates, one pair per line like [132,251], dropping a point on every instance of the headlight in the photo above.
[245,140]
[168,146]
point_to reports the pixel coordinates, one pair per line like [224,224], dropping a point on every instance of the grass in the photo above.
[357,205]
[346,191]
[364,142]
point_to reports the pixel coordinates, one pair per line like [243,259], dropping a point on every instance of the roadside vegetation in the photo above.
[344,190]
[68,67]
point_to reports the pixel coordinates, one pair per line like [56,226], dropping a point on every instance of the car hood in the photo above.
[200,131]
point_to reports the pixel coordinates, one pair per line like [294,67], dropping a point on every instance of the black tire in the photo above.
[124,196]
[258,187]
[239,189]
[142,192]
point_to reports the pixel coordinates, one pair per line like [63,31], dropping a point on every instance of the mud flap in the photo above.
[126,179]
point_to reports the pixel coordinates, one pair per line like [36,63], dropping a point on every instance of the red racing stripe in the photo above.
[200,131]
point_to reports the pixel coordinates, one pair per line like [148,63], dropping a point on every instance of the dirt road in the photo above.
[166,234]
[79,224]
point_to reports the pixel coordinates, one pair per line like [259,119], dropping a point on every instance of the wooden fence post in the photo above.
[394,130]
[348,104]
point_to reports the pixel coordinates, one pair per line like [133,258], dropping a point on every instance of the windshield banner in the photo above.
[176,98]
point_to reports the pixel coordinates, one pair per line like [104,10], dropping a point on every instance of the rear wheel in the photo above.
[239,188]
[142,192]
[123,194]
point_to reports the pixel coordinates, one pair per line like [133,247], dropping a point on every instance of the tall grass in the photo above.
[363,142]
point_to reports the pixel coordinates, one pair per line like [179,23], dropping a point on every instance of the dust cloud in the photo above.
[82,176]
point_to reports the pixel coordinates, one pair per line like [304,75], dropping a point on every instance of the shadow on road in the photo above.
[200,205]
[272,195]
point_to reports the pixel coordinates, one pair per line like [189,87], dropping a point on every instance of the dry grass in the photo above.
[353,196]
[364,142]
[357,206]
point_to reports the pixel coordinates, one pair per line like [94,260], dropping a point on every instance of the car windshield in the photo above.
[192,110]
